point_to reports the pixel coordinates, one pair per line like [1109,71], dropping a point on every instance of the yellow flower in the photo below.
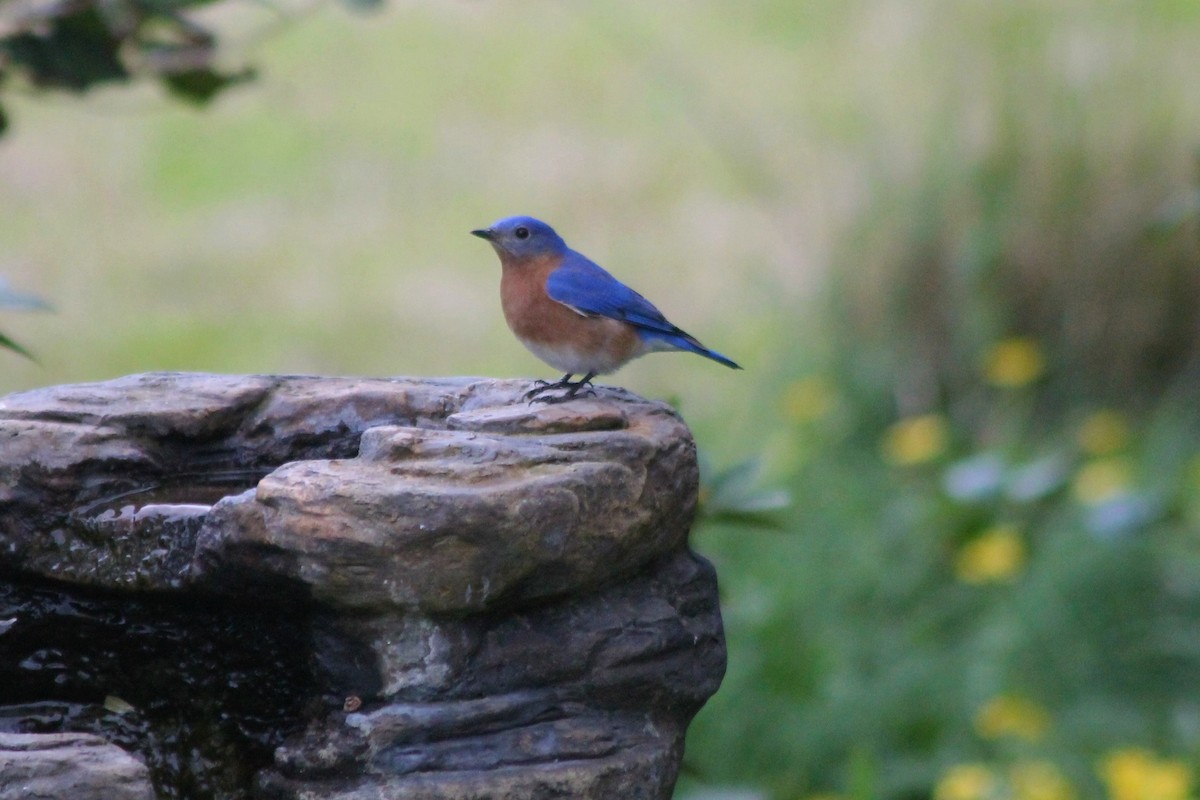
[1103,433]
[994,556]
[808,399]
[1014,362]
[916,440]
[965,782]
[1039,780]
[1012,716]
[1135,774]
[1101,480]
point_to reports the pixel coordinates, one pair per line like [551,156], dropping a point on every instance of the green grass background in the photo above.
[870,192]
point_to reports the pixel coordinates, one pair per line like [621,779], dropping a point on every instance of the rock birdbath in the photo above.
[302,587]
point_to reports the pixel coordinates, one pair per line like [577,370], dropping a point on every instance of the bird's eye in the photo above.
[521,232]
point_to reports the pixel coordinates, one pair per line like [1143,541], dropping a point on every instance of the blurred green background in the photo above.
[954,244]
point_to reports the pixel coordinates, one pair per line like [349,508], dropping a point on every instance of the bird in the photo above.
[571,313]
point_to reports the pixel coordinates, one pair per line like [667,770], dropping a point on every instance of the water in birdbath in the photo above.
[202,692]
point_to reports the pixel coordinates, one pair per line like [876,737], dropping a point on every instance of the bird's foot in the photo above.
[538,393]
[540,386]
[552,399]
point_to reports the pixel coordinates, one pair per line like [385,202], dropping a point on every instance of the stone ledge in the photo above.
[446,495]
[420,589]
[77,766]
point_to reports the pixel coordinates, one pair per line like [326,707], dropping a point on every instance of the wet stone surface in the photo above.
[292,587]
[201,692]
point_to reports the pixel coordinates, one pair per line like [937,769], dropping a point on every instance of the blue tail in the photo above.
[684,341]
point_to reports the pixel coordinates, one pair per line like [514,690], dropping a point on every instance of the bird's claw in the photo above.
[535,395]
[539,387]
[562,398]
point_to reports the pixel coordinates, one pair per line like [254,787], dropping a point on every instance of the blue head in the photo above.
[522,237]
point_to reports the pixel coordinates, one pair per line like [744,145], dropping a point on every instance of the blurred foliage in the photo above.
[11,299]
[1039,217]
[989,588]
[734,495]
[76,45]
[985,584]
[966,611]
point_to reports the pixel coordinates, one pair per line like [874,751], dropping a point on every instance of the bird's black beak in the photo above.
[485,233]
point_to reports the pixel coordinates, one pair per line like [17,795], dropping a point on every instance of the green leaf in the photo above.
[77,52]
[200,86]
[864,774]
[9,344]
[1174,214]
[722,793]
[363,5]
[20,301]
[1038,479]
[733,495]
[168,7]
[117,705]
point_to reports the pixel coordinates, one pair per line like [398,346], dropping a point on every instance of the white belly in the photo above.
[568,359]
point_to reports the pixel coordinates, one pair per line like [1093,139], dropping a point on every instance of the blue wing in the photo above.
[587,288]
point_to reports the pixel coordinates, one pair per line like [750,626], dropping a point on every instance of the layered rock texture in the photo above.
[355,588]
[74,766]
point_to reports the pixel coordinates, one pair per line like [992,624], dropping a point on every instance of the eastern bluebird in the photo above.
[571,313]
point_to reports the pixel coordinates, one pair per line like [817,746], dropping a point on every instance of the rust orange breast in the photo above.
[586,344]
[529,311]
